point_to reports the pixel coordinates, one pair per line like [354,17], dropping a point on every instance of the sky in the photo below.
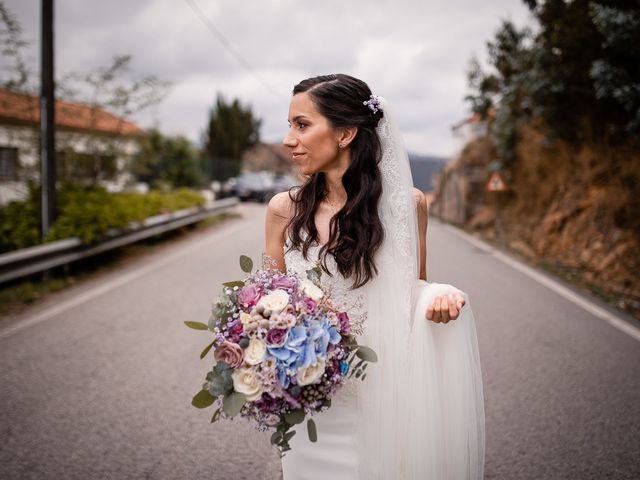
[415,53]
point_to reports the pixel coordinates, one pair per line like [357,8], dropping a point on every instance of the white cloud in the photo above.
[415,53]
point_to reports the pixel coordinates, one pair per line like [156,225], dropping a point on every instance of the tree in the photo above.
[166,160]
[578,75]
[231,130]
[13,46]
[112,88]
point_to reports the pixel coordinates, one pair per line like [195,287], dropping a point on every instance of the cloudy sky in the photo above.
[413,52]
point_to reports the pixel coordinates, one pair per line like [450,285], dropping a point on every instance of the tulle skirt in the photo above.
[440,424]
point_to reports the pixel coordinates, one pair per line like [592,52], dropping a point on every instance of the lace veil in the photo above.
[420,408]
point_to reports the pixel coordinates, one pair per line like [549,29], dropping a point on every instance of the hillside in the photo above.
[574,211]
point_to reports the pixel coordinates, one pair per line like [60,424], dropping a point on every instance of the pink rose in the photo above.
[249,296]
[284,282]
[310,304]
[345,326]
[276,337]
[229,353]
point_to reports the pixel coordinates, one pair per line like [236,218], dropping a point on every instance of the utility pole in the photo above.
[47,120]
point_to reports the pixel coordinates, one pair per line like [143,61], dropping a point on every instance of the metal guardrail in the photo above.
[27,261]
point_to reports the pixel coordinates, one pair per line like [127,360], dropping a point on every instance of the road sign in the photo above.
[495,183]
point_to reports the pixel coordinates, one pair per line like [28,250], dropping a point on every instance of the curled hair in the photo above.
[355,232]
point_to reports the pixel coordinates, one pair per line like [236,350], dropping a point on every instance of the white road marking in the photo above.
[553,285]
[115,283]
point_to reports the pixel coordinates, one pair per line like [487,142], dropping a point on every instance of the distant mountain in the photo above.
[422,169]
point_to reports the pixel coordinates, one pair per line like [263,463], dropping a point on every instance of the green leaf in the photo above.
[196,325]
[276,437]
[246,264]
[236,283]
[206,350]
[221,367]
[202,399]
[233,403]
[295,417]
[312,431]
[289,436]
[367,354]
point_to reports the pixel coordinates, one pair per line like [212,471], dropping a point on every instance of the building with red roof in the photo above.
[92,144]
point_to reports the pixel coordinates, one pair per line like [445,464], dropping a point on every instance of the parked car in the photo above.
[283,183]
[257,186]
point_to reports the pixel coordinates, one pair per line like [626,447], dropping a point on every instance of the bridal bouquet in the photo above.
[281,352]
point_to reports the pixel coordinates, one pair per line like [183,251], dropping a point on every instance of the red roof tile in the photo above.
[21,108]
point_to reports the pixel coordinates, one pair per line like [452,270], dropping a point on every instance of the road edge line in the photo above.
[582,302]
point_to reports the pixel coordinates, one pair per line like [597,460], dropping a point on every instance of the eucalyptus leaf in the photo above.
[312,431]
[202,399]
[206,350]
[196,325]
[367,354]
[295,417]
[235,283]
[276,437]
[221,366]
[233,403]
[289,436]
[246,264]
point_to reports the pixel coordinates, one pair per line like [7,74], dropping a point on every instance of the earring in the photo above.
[341,145]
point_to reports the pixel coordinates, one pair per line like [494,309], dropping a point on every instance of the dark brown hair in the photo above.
[355,232]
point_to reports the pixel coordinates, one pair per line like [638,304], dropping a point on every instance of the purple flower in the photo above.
[249,295]
[310,304]
[236,331]
[283,282]
[345,326]
[276,337]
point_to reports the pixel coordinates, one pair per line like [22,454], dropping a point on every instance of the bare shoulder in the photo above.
[421,200]
[280,205]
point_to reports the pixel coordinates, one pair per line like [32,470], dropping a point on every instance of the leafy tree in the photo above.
[231,130]
[505,90]
[616,75]
[579,74]
[167,160]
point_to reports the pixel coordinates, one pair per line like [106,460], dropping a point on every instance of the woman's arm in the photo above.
[423,218]
[279,211]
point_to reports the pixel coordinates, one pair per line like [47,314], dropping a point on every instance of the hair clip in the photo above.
[373,103]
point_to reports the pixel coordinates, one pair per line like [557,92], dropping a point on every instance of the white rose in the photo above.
[246,381]
[311,290]
[275,301]
[255,352]
[311,374]
[245,318]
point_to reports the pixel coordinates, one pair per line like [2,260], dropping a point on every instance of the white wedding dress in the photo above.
[419,413]
[448,433]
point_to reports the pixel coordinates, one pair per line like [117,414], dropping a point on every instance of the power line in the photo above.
[229,47]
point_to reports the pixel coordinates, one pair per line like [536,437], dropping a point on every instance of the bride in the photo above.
[419,412]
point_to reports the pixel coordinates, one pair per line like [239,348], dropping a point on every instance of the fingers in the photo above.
[445,308]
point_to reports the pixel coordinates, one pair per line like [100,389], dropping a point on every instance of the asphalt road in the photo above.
[96,381]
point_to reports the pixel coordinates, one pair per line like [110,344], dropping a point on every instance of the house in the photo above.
[273,157]
[92,145]
[471,128]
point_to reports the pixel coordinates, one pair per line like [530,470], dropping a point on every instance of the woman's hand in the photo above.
[445,308]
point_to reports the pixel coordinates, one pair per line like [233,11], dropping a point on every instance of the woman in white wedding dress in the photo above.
[419,413]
